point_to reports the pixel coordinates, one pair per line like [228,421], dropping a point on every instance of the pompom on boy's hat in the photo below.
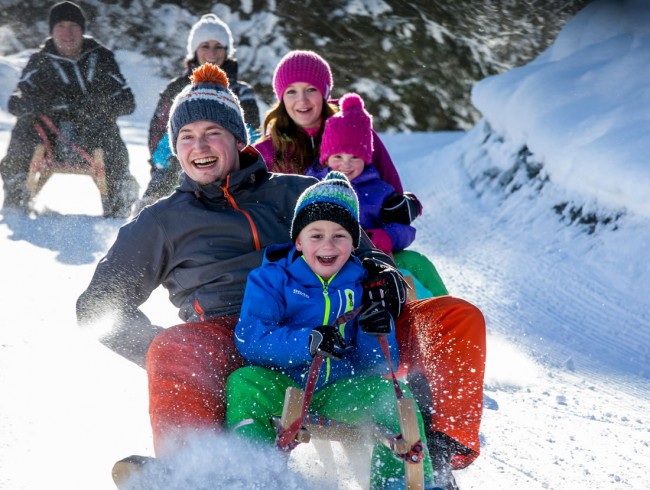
[303,66]
[210,28]
[331,199]
[348,131]
[67,11]
[208,98]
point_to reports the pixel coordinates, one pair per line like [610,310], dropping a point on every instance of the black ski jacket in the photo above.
[89,87]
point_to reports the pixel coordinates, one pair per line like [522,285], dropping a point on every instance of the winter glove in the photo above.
[326,341]
[400,208]
[375,320]
[381,240]
[384,284]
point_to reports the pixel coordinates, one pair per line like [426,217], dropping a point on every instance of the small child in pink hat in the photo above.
[347,146]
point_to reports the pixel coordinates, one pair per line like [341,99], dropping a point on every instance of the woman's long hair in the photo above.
[294,148]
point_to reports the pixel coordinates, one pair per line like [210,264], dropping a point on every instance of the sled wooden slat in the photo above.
[292,410]
[41,169]
[414,472]
[322,428]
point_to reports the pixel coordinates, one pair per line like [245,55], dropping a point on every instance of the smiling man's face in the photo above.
[207,151]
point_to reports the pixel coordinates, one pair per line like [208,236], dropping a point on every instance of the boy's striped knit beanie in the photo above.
[331,199]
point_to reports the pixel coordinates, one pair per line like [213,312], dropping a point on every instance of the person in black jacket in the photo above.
[210,41]
[76,83]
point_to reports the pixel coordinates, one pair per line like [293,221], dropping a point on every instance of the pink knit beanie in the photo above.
[348,131]
[303,66]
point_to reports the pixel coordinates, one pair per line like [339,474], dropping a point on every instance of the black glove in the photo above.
[400,208]
[375,319]
[326,341]
[384,284]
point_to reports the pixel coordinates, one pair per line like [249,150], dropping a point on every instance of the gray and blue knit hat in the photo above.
[331,199]
[208,98]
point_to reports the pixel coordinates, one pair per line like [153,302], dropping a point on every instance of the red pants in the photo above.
[441,338]
[188,366]
[444,340]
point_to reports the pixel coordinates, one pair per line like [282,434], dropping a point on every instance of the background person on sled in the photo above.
[437,336]
[210,41]
[200,243]
[346,146]
[290,305]
[292,129]
[72,79]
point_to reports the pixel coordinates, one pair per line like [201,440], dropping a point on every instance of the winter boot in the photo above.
[16,193]
[441,450]
[141,473]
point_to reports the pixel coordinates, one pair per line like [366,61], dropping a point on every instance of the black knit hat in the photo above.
[67,11]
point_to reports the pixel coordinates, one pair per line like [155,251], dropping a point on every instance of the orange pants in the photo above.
[441,338]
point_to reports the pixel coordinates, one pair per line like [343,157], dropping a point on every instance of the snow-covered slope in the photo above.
[564,289]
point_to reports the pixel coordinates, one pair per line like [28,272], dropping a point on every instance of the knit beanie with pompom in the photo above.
[348,131]
[210,28]
[331,199]
[303,66]
[207,98]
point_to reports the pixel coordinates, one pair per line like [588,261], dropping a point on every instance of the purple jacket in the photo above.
[372,191]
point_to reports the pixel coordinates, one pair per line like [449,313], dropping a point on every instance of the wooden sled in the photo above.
[43,167]
[326,429]
[45,161]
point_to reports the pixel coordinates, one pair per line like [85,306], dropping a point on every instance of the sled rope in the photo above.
[286,438]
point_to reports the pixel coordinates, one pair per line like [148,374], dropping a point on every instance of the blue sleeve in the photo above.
[260,335]
[162,153]
[368,356]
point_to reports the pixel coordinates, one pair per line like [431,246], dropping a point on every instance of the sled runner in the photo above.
[58,153]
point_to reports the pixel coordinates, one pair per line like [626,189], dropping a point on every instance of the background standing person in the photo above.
[75,82]
[210,41]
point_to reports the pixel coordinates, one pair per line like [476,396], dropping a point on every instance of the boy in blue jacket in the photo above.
[289,305]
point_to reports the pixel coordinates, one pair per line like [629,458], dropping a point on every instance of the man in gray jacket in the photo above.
[201,242]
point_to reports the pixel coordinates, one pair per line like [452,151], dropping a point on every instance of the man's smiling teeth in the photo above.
[204,162]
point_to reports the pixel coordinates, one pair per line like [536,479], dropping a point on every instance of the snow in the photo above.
[567,306]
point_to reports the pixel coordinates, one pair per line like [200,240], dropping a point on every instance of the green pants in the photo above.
[428,282]
[255,394]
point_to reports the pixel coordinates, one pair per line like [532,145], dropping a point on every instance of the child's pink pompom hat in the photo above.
[348,131]
[303,66]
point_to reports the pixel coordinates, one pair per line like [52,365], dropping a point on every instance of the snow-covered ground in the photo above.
[567,304]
